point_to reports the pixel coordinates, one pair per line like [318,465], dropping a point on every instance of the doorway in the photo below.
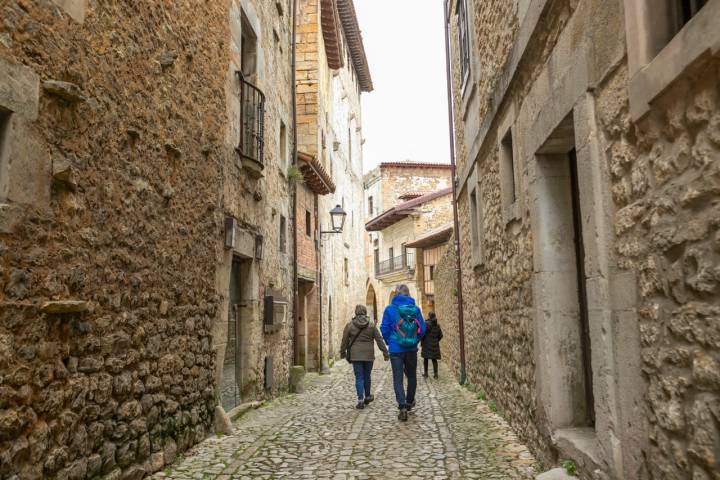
[560,284]
[371,303]
[235,363]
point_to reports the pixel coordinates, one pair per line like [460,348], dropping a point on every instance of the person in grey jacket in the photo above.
[357,347]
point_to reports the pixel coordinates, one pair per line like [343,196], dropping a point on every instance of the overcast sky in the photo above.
[405,117]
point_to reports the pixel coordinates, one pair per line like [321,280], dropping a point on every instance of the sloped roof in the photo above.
[353,36]
[408,164]
[398,212]
[315,175]
[330,21]
[433,237]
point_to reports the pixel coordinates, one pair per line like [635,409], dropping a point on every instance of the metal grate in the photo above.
[252,121]
[395,264]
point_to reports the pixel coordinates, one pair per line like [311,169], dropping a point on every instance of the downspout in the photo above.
[293,89]
[453,170]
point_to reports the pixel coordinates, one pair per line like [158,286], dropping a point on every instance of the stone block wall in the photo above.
[649,209]
[665,184]
[122,382]
[446,307]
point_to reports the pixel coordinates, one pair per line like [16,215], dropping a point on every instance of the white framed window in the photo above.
[283,152]
[509,177]
[664,37]
[476,219]
[463,42]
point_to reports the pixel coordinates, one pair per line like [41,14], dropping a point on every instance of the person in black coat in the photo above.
[431,344]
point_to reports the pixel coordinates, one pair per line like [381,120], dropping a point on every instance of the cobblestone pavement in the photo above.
[319,434]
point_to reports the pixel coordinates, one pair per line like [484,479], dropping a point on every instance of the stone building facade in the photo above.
[332,74]
[405,201]
[141,228]
[588,163]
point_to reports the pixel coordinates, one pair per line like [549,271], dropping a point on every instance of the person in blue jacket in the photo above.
[402,328]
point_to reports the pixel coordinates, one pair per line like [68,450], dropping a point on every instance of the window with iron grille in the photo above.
[464,42]
[252,100]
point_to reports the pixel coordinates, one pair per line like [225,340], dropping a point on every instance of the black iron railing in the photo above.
[395,264]
[252,121]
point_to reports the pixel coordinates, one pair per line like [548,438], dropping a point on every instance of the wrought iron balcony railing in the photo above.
[252,121]
[395,264]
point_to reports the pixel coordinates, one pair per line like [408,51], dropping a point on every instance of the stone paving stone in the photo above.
[319,434]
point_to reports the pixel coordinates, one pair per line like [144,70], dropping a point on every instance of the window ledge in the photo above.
[700,37]
[580,445]
[511,213]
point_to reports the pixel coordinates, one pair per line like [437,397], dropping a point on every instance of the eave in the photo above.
[315,176]
[346,9]
[330,21]
[432,238]
[398,212]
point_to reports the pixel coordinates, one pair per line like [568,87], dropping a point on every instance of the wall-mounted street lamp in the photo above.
[337,218]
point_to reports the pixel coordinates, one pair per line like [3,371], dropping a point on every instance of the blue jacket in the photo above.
[391,317]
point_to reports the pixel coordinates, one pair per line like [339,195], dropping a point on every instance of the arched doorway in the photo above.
[371,302]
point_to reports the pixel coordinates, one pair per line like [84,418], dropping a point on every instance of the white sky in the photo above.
[405,117]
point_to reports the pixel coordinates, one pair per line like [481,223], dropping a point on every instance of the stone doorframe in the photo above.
[614,445]
[249,311]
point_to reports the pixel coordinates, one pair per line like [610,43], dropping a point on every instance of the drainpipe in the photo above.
[453,169]
[293,88]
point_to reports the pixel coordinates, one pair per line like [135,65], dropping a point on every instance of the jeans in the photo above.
[362,378]
[425,365]
[404,363]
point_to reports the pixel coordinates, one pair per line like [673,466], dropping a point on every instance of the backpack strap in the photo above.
[353,341]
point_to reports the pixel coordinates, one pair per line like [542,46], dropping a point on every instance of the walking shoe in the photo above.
[360,405]
[435,376]
[403,415]
[425,375]
[410,405]
[369,399]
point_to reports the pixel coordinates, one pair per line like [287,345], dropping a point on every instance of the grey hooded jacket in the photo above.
[362,349]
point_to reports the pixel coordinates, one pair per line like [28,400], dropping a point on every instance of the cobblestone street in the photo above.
[319,434]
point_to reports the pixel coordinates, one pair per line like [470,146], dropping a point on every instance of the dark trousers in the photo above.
[425,366]
[404,364]
[363,371]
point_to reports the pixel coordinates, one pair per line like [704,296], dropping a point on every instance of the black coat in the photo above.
[431,341]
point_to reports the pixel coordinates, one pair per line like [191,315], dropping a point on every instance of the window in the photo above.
[476,226]
[376,259]
[349,146]
[248,50]
[403,250]
[283,146]
[370,205]
[346,270]
[506,157]
[431,273]
[4,128]
[657,54]
[308,223]
[508,181]
[464,42]
[276,38]
[283,234]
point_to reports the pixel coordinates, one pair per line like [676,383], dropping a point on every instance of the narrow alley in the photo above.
[317,434]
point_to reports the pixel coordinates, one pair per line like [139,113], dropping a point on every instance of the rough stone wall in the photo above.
[666,187]
[258,203]
[396,181]
[446,306]
[133,232]
[307,72]
[664,172]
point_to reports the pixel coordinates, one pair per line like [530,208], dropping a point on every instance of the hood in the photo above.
[401,300]
[360,321]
